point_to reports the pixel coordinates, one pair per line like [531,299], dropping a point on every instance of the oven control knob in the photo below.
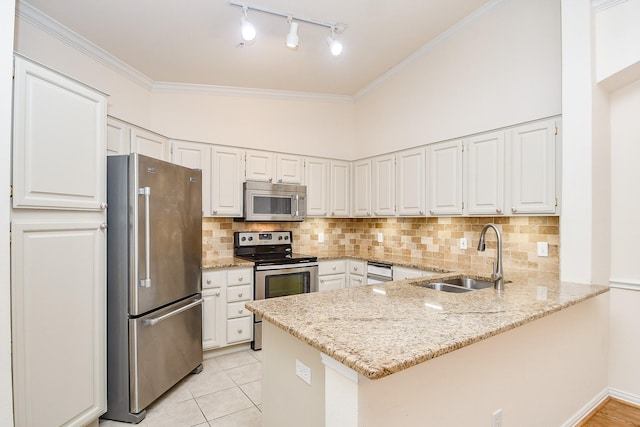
[250,238]
[279,237]
[286,237]
[243,238]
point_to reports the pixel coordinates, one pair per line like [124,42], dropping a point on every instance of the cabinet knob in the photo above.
[333,213]
[498,210]
[270,179]
[240,295]
[355,268]
[359,280]
[103,205]
[103,226]
[375,213]
[280,180]
[514,210]
[321,280]
[421,212]
[240,279]
[239,331]
[240,311]
[215,212]
[208,281]
[368,213]
[334,267]
[217,294]
[431,212]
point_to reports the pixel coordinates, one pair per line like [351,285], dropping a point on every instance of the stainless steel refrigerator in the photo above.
[154,257]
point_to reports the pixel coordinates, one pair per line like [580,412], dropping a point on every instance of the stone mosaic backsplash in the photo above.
[435,240]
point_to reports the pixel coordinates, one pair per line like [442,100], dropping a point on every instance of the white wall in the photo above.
[502,69]
[6,83]
[617,41]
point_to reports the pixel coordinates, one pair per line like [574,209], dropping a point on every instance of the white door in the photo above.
[118,134]
[533,168]
[289,168]
[317,182]
[384,185]
[58,141]
[260,166]
[226,181]
[485,174]
[411,182]
[150,144]
[58,321]
[339,188]
[213,318]
[362,188]
[195,155]
[445,177]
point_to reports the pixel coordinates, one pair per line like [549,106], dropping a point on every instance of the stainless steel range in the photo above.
[278,271]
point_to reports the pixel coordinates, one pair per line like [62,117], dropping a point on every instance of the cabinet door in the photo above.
[362,188]
[445,177]
[195,155]
[485,174]
[533,168]
[317,182]
[213,318]
[289,169]
[335,281]
[383,196]
[59,320]
[411,182]
[226,181]
[59,129]
[150,144]
[356,281]
[118,134]
[259,166]
[339,188]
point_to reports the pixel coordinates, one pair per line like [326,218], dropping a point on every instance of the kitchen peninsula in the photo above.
[400,354]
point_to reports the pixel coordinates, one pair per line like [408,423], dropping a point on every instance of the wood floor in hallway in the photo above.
[613,413]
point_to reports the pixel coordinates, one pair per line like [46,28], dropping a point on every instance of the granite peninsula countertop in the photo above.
[381,329]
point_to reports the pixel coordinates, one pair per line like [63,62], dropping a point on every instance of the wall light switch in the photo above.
[463,243]
[380,238]
[543,249]
[320,237]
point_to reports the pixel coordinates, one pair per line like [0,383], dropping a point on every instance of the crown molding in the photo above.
[168,87]
[600,5]
[429,47]
[35,17]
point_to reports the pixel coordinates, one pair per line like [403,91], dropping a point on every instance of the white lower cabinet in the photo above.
[402,273]
[356,273]
[332,275]
[225,320]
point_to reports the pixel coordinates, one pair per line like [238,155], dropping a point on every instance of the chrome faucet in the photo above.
[497,275]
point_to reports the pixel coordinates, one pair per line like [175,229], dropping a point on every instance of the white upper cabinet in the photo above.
[533,168]
[118,137]
[59,132]
[411,182]
[226,181]
[272,167]
[445,177]
[485,174]
[316,172]
[339,188]
[362,188]
[383,191]
[150,144]
[195,155]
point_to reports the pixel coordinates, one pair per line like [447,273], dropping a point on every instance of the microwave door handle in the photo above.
[146,282]
[297,205]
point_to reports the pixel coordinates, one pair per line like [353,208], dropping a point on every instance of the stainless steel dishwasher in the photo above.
[378,272]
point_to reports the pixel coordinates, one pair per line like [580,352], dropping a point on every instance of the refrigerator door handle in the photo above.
[146,282]
[156,320]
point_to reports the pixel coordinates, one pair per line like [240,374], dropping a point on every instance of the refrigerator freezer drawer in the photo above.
[166,345]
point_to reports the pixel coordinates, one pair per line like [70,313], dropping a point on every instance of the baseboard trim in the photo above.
[597,400]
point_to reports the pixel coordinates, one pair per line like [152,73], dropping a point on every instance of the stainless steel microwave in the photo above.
[264,201]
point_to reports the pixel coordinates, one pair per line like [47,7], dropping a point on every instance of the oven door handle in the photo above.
[286,266]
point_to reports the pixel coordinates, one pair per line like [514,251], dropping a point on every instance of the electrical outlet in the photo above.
[463,243]
[303,371]
[380,238]
[543,249]
[496,418]
[320,237]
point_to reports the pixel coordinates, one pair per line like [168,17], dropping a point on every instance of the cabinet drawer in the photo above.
[214,279]
[240,329]
[357,267]
[237,309]
[332,267]
[241,276]
[239,293]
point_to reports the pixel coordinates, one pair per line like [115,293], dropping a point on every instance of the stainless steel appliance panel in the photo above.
[167,233]
[167,345]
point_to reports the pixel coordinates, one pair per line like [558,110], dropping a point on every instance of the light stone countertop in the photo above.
[381,329]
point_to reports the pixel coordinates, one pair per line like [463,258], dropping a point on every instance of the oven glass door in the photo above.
[282,281]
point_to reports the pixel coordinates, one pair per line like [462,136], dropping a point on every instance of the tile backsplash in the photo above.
[435,240]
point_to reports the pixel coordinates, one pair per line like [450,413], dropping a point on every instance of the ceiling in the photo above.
[197,41]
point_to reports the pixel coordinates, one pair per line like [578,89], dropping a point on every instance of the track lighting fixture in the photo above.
[292,38]
[248,31]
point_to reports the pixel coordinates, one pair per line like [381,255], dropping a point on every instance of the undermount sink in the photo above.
[457,285]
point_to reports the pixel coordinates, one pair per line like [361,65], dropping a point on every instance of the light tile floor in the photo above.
[227,393]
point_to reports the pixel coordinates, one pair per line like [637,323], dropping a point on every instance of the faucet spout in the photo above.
[497,276]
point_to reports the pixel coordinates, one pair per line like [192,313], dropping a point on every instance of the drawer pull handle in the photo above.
[240,311]
[240,295]
[334,267]
[240,279]
[217,294]
[208,281]
[239,331]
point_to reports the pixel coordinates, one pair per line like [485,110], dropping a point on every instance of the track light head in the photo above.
[292,37]
[247,30]
[335,47]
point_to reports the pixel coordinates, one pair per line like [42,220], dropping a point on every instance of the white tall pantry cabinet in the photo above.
[58,249]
